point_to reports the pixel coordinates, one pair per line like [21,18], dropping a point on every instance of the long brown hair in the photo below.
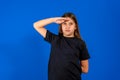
[72,16]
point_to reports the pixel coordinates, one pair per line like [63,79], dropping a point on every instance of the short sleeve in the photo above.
[50,36]
[84,54]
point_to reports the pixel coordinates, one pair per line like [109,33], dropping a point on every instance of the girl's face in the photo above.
[68,28]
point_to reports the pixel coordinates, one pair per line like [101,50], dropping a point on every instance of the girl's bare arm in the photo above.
[84,66]
[39,25]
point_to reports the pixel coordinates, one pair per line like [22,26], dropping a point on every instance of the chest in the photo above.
[66,47]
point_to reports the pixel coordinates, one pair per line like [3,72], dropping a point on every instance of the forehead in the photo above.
[70,20]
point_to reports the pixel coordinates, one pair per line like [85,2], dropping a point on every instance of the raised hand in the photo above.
[39,25]
[60,20]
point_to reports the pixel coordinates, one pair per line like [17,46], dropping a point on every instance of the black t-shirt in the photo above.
[66,54]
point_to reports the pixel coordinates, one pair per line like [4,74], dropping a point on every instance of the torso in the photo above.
[64,59]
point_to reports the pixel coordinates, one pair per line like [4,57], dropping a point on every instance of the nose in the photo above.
[67,26]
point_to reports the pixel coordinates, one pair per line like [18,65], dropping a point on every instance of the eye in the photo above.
[64,23]
[71,23]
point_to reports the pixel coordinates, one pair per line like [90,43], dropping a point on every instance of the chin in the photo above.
[68,34]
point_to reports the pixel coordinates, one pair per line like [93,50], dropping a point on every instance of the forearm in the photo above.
[44,22]
[39,25]
[84,66]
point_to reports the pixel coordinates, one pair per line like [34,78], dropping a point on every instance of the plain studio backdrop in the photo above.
[24,54]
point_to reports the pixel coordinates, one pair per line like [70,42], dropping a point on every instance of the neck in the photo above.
[68,36]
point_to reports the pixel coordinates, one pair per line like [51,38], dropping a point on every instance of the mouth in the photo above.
[67,30]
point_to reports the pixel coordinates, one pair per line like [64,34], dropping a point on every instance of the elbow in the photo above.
[34,25]
[37,26]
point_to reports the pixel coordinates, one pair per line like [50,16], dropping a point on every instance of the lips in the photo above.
[67,30]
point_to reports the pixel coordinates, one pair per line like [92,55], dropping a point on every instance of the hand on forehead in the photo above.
[68,19]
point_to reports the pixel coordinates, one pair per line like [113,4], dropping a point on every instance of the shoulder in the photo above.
[50,37]
[51,34]
[80,42]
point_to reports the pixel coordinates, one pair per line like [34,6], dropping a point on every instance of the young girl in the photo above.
[69,55]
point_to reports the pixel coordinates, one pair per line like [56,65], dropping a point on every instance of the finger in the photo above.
[63,18]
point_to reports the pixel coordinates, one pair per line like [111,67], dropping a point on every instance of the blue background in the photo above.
[24,54]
